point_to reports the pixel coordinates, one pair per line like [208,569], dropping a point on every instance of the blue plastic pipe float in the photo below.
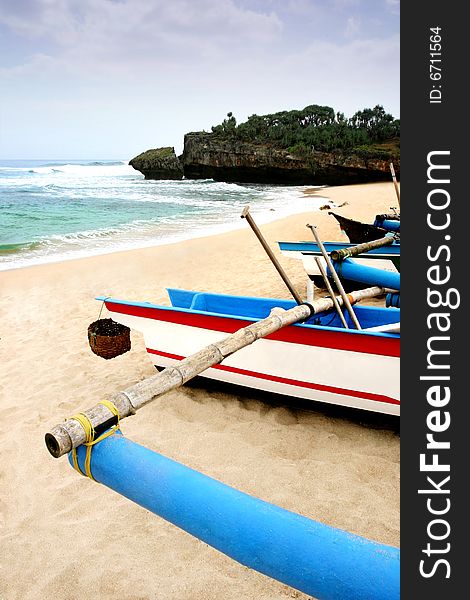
[314,558]
[392,299]
[348,269]
[388,224]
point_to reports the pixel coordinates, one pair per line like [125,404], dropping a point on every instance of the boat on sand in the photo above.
[359,233]
[317,360]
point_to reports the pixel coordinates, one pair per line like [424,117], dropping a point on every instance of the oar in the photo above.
[397,189]
[246,215]
[336,279]
[330,291]
[361,248]
[71,433]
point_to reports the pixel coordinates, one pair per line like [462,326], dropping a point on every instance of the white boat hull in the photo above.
[320,366]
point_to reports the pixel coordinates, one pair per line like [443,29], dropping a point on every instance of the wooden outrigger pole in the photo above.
[336,279]
[395,183]
[246,215]
[361,248]
[68,435]
[330,291]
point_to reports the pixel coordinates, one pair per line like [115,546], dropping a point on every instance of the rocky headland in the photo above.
[206,157]
[312,146]
[158,163]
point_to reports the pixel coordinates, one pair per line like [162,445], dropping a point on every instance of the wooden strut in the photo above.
[395,183]
[70,434]
[246,215]
[361,248]
[336,279]
[330,291]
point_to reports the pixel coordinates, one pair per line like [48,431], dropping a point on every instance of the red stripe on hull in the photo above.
[368,344]
[294,382]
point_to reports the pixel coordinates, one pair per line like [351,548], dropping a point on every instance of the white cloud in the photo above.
[135,27]
[348,77]
[346,3]
[127,41]
[132,74]
[302,7]
[393,6]
[38,64]
[36,18]
[353,26]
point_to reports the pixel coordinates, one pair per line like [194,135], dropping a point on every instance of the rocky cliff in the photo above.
[158,163]
[206,156]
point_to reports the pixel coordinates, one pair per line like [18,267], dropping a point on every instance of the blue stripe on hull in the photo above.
[310,247]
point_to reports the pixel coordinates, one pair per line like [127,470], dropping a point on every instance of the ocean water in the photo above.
[59,210]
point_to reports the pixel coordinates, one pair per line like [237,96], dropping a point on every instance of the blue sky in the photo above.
[112,78]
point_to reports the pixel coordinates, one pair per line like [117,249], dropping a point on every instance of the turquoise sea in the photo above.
[54,210]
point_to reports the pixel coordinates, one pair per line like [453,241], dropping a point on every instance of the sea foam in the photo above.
[59,210]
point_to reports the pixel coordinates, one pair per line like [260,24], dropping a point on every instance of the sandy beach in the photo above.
[65,537]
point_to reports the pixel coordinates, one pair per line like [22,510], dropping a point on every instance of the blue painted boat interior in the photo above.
[259,308]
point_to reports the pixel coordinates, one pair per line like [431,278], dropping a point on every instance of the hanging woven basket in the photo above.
[109,339]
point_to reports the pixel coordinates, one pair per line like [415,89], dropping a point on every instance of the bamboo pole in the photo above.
[330,291]
[361,248]
[392,216]
[336,279]
[395,183]
[246,215]
[70,434]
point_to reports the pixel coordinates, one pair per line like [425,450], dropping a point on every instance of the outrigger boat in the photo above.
[390,252]
[357,368]
[385,257]
[317,360]
[291,348]
[358,232]
[390,222]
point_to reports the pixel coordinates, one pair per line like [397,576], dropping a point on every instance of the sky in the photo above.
[108,79]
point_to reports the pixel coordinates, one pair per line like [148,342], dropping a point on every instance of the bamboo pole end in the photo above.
[58,441]
[245,211]
[335,255]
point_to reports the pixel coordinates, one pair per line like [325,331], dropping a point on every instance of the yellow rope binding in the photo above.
[90,437]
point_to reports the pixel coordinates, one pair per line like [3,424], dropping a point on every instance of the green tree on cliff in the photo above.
[227,128]
[314,127]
